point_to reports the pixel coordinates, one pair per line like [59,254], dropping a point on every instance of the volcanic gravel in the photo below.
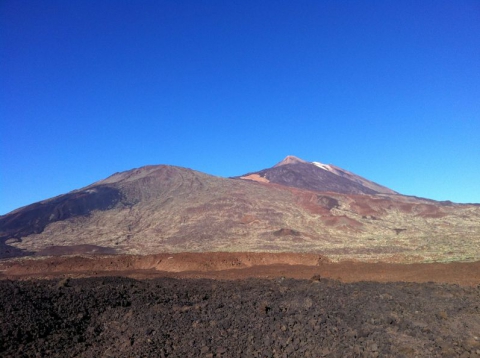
[166,317]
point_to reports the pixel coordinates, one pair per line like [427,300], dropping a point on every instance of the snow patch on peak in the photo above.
[323,166]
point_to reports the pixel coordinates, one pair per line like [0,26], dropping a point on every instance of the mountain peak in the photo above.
[316,176]
[290,159]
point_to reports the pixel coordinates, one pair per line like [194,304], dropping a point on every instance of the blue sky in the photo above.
[387,89]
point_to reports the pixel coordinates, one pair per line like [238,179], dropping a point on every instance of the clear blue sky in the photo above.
[387,89]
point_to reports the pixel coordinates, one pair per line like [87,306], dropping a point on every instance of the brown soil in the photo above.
[221,265]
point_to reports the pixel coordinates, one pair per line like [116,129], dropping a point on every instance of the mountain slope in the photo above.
[171,209]
[298,173]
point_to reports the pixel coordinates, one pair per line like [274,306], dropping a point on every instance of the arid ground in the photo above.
[166,317]
[237,305]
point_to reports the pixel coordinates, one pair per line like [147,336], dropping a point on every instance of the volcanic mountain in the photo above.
[295,172]
[294,206]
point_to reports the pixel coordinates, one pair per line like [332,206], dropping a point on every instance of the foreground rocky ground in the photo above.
[168,317]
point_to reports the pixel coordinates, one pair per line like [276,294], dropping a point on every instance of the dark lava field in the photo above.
[166,317]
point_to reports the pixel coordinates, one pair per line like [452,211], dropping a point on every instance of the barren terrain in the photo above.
[121,317]
[169,209]
[299,260]
[236,305]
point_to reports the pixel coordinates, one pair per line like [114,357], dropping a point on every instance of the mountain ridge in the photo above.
[164,208]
